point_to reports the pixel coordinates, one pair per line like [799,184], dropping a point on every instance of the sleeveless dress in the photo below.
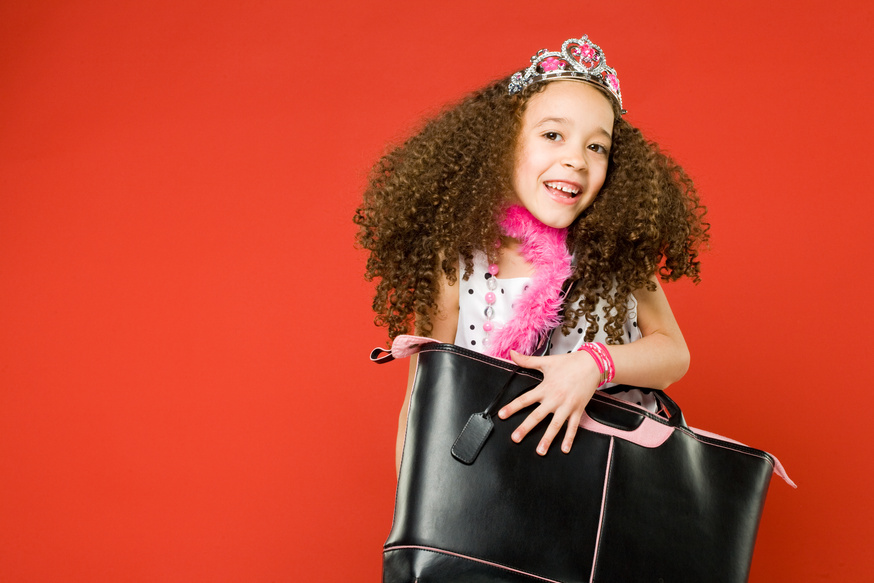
[471,317]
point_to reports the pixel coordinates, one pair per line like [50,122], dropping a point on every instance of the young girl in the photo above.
[477,224]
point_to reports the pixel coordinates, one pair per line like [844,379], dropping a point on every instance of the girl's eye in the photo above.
[552,136]
[599,148]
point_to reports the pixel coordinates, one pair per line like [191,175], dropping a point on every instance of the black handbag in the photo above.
[640,497]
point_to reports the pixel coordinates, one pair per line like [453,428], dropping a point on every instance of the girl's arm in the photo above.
[444,326]
[655,361]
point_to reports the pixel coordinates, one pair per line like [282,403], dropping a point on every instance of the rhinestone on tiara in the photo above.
[579,58]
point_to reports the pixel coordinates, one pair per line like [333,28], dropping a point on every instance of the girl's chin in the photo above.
[552,213]
[556,218]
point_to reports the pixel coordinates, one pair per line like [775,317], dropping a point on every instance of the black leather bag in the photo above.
[640,497]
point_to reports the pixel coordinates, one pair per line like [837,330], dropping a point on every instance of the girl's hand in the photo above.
[569,381]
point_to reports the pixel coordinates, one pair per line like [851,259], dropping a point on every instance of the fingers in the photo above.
[519,403]
[551,431]
[572,425]
[552,428]
[559,417]
[525,360]
[526,399]
[533,419]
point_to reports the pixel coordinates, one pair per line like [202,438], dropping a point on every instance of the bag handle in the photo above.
[403,346]
[608,415]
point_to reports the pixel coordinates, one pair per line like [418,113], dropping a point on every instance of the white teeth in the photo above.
[568,189]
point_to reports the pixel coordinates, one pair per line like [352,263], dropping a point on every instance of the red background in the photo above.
[185,393]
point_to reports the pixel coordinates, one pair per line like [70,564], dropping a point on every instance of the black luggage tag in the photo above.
[472,438]
[479,426]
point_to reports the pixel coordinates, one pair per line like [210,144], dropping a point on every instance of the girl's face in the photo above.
[564,146]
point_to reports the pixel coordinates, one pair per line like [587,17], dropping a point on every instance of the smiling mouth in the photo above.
[563,189]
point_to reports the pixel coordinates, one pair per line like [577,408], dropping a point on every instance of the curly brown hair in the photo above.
[440,196]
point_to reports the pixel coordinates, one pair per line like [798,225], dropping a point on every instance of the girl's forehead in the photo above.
[570,98]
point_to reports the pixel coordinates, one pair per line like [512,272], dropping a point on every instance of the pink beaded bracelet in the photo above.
[603,360]
[608,360]
[602,377]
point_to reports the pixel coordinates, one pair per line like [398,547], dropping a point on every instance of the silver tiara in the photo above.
[579,58]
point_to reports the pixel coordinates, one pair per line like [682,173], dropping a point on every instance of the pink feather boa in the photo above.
[537,310]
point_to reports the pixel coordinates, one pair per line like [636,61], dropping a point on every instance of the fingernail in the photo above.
[566,448]
[502,413]
[515,437]
[541,449]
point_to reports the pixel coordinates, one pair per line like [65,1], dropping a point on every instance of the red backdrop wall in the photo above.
[184,388]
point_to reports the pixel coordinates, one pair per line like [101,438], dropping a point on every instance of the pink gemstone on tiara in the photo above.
[613,81]
[552,64]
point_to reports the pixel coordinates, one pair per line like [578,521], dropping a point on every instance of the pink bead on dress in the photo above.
[490,300]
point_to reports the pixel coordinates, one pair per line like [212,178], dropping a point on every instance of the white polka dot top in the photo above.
[472,317]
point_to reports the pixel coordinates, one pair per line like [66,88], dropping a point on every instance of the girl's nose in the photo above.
[575,160]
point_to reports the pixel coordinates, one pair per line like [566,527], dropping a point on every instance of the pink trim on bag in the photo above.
[603,509]
[781,471]
[778,467]
[406,345]
[648,434]
[474,559]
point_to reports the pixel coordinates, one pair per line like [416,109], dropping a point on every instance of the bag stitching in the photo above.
[469,558]
[603,518]
[736,447]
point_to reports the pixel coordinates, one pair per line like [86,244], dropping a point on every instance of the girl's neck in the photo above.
[510,261]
